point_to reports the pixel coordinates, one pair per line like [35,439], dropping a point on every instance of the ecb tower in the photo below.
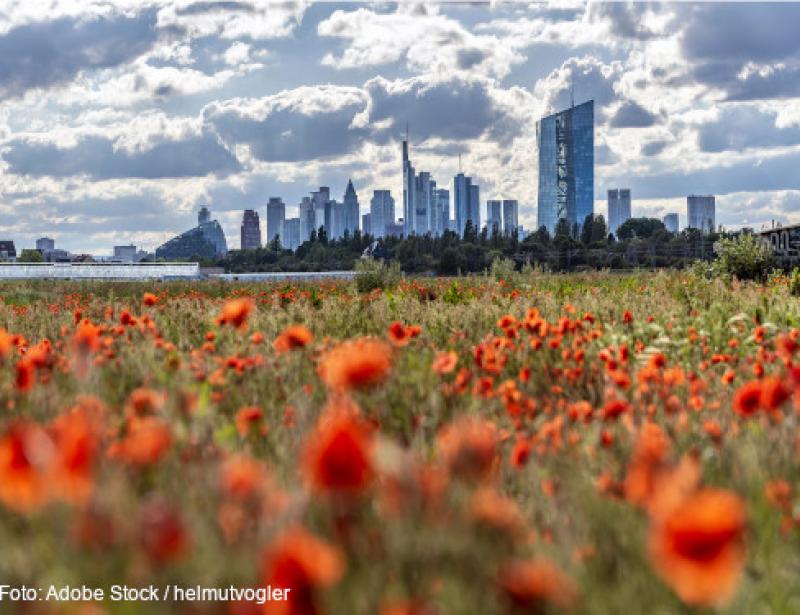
[566,166]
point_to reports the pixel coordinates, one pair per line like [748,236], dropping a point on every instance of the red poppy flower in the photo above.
[337,457]
[292,338]
[698,549]
[355,363]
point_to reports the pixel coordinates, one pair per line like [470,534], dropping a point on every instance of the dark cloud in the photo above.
[198,8]
[467,58]
[288,132]
[632,115]
[742,127]
[96,158]
[451,110]
[749,50]
[48,53]
[625,18]
[741,32]
[653,148]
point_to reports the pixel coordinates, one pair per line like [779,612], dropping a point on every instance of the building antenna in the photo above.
[406,131]
[572,95]
[459,162]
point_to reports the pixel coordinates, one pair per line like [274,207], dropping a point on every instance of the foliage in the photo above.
[745,257]
[588,442]
[29,255]
[643,228]
[372,274]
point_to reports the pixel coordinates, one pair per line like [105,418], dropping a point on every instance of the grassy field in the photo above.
[590,443]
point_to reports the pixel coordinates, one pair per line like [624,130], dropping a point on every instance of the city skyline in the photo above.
[119,120]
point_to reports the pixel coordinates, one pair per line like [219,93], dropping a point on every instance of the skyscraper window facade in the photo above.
[510,216]
[381,213]
[494,213]
[701,213]
[619,208]
[251,230]
[350,210]
[671,222]
[566,166]
[291,229]
[466,202]
[442,211]
[276,214]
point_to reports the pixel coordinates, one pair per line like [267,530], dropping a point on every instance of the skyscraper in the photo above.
[442,211]
[474,211]
[291,228]
[566,166]
[424,200]
[251,231]
[276,214]
[409,191]
[494,221]
[381,210]
[319,199]
[701,212]
[366,224]
[351,209]
[466,202]
[510,216]
[307,218]
[619,208]
[671,222]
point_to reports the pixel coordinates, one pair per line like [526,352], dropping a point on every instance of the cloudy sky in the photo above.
[118,119]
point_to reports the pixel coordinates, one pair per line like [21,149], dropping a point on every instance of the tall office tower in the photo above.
[409,191]
[330,218]
[701,212]
[381,210]
[45,244]
[424,188]
[276,214]
[291,228]
[510,216]
[619,208]
[494,220]
[474,211]
[442,210]
[351,209]
[466,202]
[366,224]
[671,222]
[251,231]
[318,200]
[566,166]
[307,217]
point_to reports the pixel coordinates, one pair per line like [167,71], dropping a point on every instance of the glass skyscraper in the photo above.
[566,166]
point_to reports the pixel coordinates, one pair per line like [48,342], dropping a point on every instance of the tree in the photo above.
[470,232]
[30,255]
[643,228]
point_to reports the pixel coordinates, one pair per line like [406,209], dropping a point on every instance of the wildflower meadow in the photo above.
[588,443]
